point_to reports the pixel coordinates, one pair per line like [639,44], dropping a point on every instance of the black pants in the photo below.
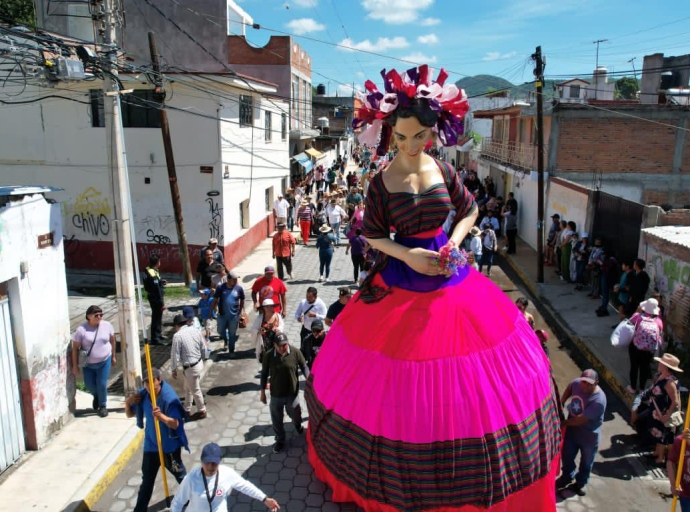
[302,336]
[640,360]
[511,234]
[156,320]
[358,264]
[284,260]
[149,470]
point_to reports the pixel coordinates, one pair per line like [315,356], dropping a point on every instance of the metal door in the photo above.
[11,426]
[618,221]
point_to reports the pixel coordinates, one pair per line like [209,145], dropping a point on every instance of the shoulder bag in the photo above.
[84,354]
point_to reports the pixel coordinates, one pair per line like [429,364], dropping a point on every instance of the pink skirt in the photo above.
[434,400]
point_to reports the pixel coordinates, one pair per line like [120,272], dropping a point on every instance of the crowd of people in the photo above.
[420,438]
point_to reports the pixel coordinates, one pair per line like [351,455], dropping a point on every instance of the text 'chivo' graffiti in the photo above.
[89,213]
[92,224]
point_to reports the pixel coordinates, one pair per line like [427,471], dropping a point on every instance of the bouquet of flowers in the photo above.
[451,259]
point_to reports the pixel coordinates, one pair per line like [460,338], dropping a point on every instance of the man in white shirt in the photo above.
[336,216]
[476,243]
[207,487]
[280,209]
[489,222]
[309,310]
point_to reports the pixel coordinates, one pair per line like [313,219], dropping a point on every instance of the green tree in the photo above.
[20,12]
[626,88]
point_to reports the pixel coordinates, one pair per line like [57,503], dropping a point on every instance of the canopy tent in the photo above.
[304,161]
[315,153]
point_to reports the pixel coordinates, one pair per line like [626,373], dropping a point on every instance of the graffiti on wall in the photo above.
[672,278]
[215,212]
[89,213]
[152,237]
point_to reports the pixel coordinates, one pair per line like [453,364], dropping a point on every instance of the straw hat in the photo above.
[304,202]
[651,307]
[475,231]
[325,229]
[670,361]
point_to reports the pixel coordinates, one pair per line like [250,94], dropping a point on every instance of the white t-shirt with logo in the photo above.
[192,489]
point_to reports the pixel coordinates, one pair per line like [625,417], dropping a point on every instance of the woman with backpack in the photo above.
[646,341]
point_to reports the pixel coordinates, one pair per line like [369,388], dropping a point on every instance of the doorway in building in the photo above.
[12,444]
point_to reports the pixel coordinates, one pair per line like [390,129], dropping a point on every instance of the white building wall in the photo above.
[53,143]
[568,200]
[256,169]
[39,311]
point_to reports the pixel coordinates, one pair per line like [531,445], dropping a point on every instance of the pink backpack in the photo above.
[647,336]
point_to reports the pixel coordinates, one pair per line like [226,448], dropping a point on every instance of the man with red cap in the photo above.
[269,286]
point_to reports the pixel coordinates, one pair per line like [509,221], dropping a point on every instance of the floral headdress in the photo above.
[449,102]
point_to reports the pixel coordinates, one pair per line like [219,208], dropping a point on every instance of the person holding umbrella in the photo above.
[206,488]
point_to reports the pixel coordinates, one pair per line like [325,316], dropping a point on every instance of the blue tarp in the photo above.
[304,160]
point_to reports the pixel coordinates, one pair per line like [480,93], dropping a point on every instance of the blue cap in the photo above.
[211,453]
[188,312]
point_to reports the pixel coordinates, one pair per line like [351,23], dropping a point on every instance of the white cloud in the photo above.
[429,22]
[428,39]
[302,26]
[491,56]
[360,74]
[380,45]
[301,3]
[395,12]
[419,58]
[346,89]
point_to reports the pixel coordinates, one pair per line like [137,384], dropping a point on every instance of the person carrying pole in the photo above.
[161,415]
[678,468]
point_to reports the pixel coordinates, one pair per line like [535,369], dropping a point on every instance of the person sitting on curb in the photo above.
[281,365]
[206,488]
[170,414]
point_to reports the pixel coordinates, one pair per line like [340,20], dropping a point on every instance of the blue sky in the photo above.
[470,38]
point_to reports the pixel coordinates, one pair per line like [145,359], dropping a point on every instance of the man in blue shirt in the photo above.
[170,414]
[586,407]
[229,299]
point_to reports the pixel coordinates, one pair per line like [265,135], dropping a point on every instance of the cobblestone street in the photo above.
[241,425]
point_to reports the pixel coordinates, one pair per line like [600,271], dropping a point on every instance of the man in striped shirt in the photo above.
[187,351]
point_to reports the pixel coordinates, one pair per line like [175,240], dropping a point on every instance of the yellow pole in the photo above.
[152,394]
[679,470]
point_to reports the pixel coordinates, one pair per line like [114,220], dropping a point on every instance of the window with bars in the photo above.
[268,133]
[139,109]
[246,110]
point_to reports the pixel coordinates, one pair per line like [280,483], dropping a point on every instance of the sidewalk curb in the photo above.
[93,492]
[555,319]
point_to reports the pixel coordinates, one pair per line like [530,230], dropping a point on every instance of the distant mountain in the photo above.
[482,84]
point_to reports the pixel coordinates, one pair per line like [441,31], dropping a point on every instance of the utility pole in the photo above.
[170,161]
[122,241]
[539,76]
[596,82]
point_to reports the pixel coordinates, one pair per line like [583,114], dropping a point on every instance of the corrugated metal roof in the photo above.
[679,235]
[24,190]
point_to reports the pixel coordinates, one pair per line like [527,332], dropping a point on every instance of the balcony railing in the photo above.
[518,155]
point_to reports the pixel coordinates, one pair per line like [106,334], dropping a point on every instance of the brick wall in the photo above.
[276,52]
[660,197]
[668,266]
[615,145]
[675,218]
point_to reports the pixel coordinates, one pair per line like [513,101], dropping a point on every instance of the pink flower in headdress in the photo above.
[370,137]
[389,103]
